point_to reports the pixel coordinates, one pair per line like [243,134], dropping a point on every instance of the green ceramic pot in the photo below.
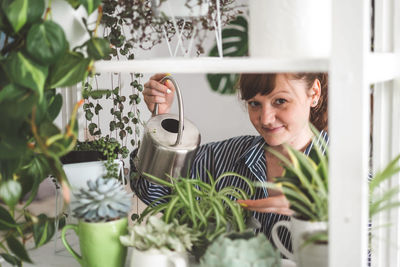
[99,243]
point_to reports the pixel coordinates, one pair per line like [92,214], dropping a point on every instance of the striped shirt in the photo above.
[244,155]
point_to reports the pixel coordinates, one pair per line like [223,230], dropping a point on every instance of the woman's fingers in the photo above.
[275,204]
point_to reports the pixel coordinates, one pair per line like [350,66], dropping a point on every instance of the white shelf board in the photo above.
[214,65]
[382,67]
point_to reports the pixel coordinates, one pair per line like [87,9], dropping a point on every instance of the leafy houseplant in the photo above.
[35,58]
[102,209]
[238,250]
[146,28]
[207,211]
[156,239]
[304,182]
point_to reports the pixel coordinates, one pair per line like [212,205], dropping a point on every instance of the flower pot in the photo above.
[159,258]
[290,28]
[99,243]
[310,255]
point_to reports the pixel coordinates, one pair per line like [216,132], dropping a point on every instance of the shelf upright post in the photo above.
[349,108]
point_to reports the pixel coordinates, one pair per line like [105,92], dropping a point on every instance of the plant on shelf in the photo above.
[35,58]
[156,237]
[137,24]
[237,250]
[102,209]
[202,207]
[304,183]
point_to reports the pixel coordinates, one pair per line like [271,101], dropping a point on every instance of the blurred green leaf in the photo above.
[98,48]
[27,73]
[6,220]
[234,44]
[18,249]
[68,70]
[14,261]
[16,12]
[43,231]
[10,192]
[46,42]
[55,106]
[90,5]
[74,3]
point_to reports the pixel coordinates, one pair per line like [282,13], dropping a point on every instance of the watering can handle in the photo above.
[180,104]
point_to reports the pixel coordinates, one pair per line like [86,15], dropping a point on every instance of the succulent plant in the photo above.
[241,251]
[103,200]
[157,234]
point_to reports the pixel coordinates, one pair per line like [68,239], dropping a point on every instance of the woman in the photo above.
[281,108]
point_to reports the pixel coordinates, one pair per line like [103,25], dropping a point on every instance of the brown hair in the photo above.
[251,84]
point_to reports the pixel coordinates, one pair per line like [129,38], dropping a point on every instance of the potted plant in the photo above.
[304,182]
[146,25]
[199,205]
[156,243]
[237,250]
[35,58]
[102,210]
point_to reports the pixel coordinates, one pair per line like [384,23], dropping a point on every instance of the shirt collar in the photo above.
[254,152]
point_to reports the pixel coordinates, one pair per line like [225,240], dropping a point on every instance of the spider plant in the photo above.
[304,181]
[381,201]
[208,211]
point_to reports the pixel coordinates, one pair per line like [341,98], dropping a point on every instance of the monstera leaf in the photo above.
[234,44]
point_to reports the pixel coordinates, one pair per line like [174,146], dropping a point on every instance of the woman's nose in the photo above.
[267,115]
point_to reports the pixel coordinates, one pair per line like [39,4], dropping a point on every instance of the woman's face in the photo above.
[282,116]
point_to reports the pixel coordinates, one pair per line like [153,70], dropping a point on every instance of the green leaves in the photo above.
[16,12]
[18,249]
[6,220]
[10,192]
[234,44]
[21,12]
[43,230]
[98,48]
[68,70]
[305,182]
[46,42]
[208,211]
[90,5]
[27,73]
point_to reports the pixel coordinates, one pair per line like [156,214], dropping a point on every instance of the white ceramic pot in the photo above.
[311,255]
[290,28]
[154,257]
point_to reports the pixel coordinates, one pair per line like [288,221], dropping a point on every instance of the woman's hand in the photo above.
[274,204]
[162,94]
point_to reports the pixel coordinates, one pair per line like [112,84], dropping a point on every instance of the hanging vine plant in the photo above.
[234,44]
[146,28]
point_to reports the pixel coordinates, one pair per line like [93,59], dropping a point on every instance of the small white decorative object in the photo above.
[290,28]
[177,8]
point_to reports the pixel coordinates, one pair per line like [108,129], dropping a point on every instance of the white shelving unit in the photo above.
[352,69]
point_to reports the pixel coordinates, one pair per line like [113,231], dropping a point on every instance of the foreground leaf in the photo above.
[18,249]
[10,192]
[46,42]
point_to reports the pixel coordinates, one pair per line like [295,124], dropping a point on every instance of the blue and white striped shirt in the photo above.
[243,155]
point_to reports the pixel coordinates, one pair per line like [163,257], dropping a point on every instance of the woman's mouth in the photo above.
[272,129]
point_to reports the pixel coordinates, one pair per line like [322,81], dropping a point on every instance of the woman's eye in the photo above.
[280,101]
[253,104]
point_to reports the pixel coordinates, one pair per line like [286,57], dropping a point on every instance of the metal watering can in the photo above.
[169,143]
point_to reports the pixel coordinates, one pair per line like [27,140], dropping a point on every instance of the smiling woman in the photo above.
[281,108]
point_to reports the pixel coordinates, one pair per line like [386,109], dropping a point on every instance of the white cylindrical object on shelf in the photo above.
[178,8]
[290,28]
